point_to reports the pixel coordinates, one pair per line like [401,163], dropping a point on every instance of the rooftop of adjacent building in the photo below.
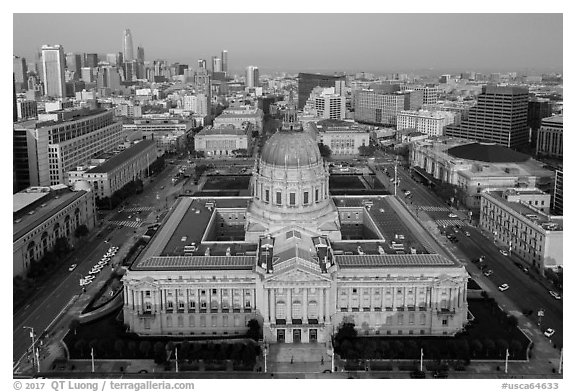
[34,205]
[118,159]
[223,129]
[487,152]
[427,113]
[66,115]
[559,119]
[547,222]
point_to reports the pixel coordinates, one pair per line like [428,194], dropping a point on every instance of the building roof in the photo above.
[195,263]
[28,218]
[487,152]
[222,130]
[554,119]
[378,261]
[122,157]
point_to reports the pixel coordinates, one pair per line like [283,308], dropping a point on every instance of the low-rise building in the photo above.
[530,234]
[27,109]
[473,167]
[325,103]
[240,115]
[427,122]
[128,165]
[42,215]
[550,137]
[343,137]
[169,132]
[223,139]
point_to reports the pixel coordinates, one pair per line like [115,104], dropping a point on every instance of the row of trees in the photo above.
[131,188]
[161,351]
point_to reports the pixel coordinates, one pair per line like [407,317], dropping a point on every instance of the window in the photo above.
[445,322]
[267,195]
[214,291]
[316,194]
[292,198]
[214,320]
[305,197]
[278,197]
[147,293]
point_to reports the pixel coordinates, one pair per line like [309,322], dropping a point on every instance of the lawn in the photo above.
[487,337]
[346,182]
[227,182]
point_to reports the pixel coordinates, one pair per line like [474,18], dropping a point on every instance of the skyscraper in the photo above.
[500,116]
[53,71]
[306,82]
[140,54]
[253,76]
[91,60]
[225,61]
[74,64]
[216,64]
[127,48]
[202,63]
[20,73]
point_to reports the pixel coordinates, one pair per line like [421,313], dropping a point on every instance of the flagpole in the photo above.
[176,354]
[421,358]
[506,366]
[92,356]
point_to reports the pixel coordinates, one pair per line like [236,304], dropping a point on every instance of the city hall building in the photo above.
[294,258]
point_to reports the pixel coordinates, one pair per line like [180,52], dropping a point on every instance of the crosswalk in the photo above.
[127,223]
[435,209]
[449,222]
[142,208]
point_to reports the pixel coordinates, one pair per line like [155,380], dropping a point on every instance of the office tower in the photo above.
[202,63]
[216,64]
[74,64]
[538,108]
[53,70]
[499,116]
[253,76]
[325,103]
[120,59]
[557,200]
[375,107]
[140,54]
[202,86]
[108,77]
[444,78]
[20,72]
[90,60]
[430,93]
[87,74]
[127,48]
[14,109]
[550,137]
[131,71]
[306,82]
[112,59]
[69,140]
[225,61]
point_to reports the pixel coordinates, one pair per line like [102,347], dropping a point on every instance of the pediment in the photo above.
[297,275]
[146,282]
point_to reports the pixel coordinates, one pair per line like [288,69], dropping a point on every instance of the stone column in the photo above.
[305,305]
[349,299]
[393,297]
[289,306]
[321,305]
[187,305]
[242,302]
[272,305]
[219,298]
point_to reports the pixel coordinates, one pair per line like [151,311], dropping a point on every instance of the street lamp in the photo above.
[34,352]
[540,315]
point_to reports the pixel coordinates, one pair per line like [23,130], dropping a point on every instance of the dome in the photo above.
[291,149]
[487,152]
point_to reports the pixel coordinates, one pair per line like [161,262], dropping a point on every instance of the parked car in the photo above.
[503,287]
[72,267]
[452,215]
[549,332]
[555,294]
[467,233]
[488,272]
[504,252]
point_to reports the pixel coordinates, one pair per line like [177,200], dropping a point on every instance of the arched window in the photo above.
[44,242]
[313,309]
[296,310]
[281,310]
[67,225]
[30,251]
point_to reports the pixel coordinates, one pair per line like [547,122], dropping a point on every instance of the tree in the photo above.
[325,151]
[74,324]
[119,347]
[515,348]
[512,322]
[489,346]
[366,151]
[159,353]
[145,346]
[132,348]
[81,231]
[61,246]
[185,349]
[80,347]
[253,329]
[346,332]
[502,347]
[476,347]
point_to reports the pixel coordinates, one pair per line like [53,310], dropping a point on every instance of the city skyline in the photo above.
[436,43]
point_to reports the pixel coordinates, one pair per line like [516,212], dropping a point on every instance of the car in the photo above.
[525,269]
[129,216]
[452,215]
[504,252]
[555,294]
[106,259]
[488,272]
[549,332]
[407,193]
[503,287]
[89,277]
[72,267]
[467,233]
[456,230]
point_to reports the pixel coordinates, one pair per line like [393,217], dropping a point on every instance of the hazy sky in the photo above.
[313,42]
